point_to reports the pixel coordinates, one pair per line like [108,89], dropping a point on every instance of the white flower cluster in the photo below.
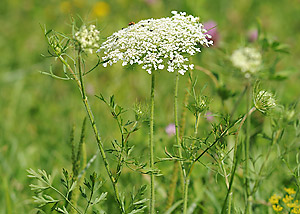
[88,38]
[264,101]
[154,43]
[247,59]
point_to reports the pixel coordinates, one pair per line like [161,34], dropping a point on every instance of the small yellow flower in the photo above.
[291,205]
[101,9]
[277,208]
[290,191]
[296,210]
[274,199]
[287,199]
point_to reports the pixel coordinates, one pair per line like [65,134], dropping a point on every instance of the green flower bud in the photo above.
[264,101]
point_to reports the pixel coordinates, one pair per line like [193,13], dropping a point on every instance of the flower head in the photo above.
[253,35]
[87,38]
[290,191]
[277,207]
[247,59]
[209,116]
[287,199]
[211,27]
[171,129]
[264,101]
[154,43]
[275,199]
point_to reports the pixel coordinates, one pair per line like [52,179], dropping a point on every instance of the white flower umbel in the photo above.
[156,43]
[247,59]
[88,38]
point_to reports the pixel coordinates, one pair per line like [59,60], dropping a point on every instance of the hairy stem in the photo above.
[173,183]
[179,143]
[88,109]
[151,145]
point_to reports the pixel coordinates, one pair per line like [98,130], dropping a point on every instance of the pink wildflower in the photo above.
[170,129]
[211,27]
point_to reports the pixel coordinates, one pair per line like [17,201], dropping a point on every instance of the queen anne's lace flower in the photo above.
[154,43]
[247,59]
[88,38]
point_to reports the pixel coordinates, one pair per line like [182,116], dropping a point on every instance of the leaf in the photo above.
[74,184]
[63,210]
[137,210]
[82,191]
[141,201]
[102,197]
[173,207]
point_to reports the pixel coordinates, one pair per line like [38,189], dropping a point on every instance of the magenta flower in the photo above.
[253,35]
[211,27]
[170,129]
[209,116]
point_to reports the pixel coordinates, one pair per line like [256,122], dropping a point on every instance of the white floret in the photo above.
[155,42]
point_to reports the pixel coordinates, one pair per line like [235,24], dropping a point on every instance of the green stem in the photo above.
[185,196]
[247,141]
[234,165]
[88,109]
[185,184]
[67,200]
[152,194]
[90,200]
[187,177]
[174,179]
[176,120]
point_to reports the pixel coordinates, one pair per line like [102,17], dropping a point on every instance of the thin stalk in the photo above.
[89,201]
[151,145]
[174,179]
[247,157]
[256,184]
[88,109]
[187,177]
[238,101]
[67,200]
[179,143]
[234,165]
[176,120]
[208,73]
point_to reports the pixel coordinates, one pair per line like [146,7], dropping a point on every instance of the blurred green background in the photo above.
[37,112]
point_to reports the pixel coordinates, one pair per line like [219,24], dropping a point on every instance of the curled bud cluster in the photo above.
[264,101]
[156,43]
[247,59]
[88,38]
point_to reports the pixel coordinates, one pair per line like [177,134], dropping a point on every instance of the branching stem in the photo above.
[79,81]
